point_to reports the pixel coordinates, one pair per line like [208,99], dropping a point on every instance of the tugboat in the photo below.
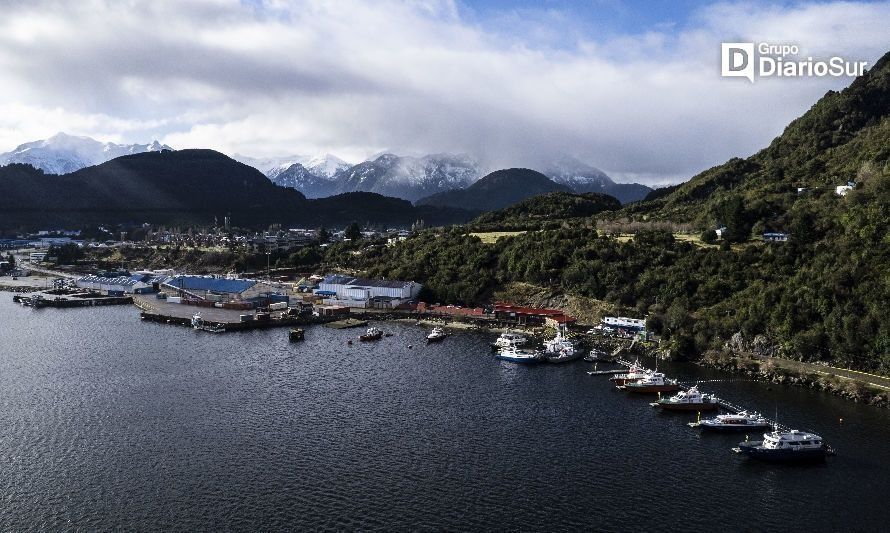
[654,382]
[790,446]
[436,335]
[511,353]
[372,334]
[508,339]
[634,374]
[688,400]
[736,422]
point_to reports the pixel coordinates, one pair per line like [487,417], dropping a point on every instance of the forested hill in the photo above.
[500,189]
[536,211]
[185,186]
[844,137]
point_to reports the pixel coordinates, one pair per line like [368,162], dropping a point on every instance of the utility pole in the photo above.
[268,266]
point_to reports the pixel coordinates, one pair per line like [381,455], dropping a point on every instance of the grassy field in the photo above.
[492,236]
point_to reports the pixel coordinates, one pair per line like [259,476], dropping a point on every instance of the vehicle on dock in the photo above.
[508,339]
[436,335]
[688,400]
[515,355]
[786,447]
[654,382]
[635,373]
[733,422]
[372,334]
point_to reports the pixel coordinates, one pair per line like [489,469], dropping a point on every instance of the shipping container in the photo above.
[279,306]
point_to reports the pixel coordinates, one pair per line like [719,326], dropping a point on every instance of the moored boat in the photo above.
[635,373]
[515,355]
[786,447]
[733,422]
[688,400]
[372,334]
[508,339]
[560,349]
[197,321]
[654,382]
[436,335]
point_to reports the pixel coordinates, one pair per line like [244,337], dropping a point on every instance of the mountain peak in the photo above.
[63,153]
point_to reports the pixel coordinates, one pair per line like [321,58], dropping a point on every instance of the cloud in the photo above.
[354,78]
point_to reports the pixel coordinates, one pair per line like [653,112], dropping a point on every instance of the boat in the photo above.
[654,382]
[436,335]
[197,321]
[508,339]
[514,354]
[560,349]
[635,373]
[688,400]
[372,334]
[215,328]
[786,447]
[734,422]
[295,334]
[596,355]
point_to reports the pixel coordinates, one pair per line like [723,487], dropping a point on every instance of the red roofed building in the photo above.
[531,315]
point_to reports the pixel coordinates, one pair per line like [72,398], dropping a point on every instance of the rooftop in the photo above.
[202,283]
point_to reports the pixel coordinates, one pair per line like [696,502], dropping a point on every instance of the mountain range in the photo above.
[63,153]
[497,190]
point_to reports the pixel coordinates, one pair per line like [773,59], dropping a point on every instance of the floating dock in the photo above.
[347,323]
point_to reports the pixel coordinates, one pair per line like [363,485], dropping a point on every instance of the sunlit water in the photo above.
[110,423]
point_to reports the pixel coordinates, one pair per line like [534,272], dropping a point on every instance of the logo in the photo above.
[769,60]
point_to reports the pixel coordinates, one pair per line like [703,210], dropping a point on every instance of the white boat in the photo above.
[508,339]
[688,400]
[786,446]
[733,422]
[197,321]
[436,335]
[514,354]
[559,344]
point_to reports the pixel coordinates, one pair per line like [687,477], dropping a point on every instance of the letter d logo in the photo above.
[737,60]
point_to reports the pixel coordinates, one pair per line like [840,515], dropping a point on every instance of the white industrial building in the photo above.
[624,322]
[124,284]
[361,292]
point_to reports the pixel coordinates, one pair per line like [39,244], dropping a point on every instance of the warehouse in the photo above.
[136,284]
[351,291]
[218,289]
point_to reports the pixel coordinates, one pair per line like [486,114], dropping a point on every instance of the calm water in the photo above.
[109,423]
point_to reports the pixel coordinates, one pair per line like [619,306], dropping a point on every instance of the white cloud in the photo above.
[353,78]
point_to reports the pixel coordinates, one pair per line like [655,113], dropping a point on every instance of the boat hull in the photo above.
[754,450]
[369,338]
[435,339]
[650,389]
[558,359]
[733,428]
[524,360]
[668,406]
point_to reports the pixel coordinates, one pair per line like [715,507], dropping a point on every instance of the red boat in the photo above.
[652,383]
[688,400]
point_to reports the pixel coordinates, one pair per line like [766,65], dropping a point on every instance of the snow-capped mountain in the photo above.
[309,183]
[321,165]
[410,178]
[581,177]
[63,154]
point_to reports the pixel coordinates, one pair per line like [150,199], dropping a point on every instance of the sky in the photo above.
[633,88]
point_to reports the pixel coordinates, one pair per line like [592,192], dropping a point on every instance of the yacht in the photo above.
[735,422]
[785,446]
[688,400]
[436,335]
[508,339]
[512,353]
[654,382]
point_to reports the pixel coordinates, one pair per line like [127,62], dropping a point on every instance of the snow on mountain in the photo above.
[325,165]
[410,178]
[581,177]
[63,154]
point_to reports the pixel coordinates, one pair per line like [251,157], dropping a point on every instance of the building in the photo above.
[842,190]
[350,291]
[622,322]
[720,232]
[532,316]
[775,237]
[219,289]
[37,257]
[136,284]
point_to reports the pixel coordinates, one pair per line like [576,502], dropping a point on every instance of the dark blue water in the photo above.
[110,423]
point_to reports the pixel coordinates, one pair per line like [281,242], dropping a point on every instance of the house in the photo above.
[775,237]
[720,232]
[530,315]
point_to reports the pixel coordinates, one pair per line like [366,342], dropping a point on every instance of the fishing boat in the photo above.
[786,447]
[514,354]
[734,422]
[372,334]
[560,349]
[635,373]
[508,339]
[654,382]
[436,335]
[688,400]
